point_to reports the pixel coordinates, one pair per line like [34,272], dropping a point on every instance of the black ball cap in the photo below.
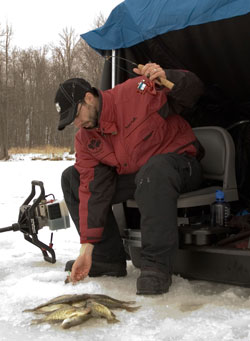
[68,96]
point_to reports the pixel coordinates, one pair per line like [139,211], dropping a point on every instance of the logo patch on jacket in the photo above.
[94,145]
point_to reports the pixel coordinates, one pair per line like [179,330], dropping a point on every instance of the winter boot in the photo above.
[153,282]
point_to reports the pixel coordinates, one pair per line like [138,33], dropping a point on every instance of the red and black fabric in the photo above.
[131,130]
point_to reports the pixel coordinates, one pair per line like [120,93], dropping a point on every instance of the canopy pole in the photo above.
[113,69]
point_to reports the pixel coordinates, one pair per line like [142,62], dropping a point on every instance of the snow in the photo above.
[190,311]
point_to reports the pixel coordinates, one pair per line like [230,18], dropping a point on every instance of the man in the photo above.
[131,143]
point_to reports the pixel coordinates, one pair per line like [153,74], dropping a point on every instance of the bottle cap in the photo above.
[219,195]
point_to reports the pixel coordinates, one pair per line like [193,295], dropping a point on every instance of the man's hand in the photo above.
[155,73]
[151,71]
[82,264]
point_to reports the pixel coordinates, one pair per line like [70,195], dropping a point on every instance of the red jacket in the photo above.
[134,124]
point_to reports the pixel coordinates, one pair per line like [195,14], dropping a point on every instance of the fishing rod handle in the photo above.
[163,81]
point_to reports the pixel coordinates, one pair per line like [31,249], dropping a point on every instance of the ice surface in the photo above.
[191,311]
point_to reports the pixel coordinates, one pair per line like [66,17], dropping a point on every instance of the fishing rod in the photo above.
[163,81]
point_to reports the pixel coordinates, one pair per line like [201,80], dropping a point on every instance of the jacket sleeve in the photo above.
[97,187]
[185,93]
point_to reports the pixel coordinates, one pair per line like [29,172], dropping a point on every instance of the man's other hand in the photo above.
[82,264]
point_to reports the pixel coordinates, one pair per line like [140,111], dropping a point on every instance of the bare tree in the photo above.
[6,36]
[65,54]
[28,82]
[90,62]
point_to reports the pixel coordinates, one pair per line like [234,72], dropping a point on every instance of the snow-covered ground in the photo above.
[192,310]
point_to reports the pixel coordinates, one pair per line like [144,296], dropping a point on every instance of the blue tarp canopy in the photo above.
[208,37]
[134,21]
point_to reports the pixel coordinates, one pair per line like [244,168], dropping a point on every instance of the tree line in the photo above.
[29,79]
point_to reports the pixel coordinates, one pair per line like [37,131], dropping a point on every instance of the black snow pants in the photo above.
[155,187]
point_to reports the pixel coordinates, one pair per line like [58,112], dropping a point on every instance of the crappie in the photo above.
[56,316]
[68,299]
[76,318]
[99,310]
[63,299]
[112,303]
[47,309]
[109,298]
[79,300]
[80,304]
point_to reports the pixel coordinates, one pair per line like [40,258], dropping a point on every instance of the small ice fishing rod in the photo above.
[165,82]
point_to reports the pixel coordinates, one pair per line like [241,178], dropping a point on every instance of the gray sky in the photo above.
[36,23]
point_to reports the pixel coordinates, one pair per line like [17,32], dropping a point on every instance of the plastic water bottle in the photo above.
[220,210]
